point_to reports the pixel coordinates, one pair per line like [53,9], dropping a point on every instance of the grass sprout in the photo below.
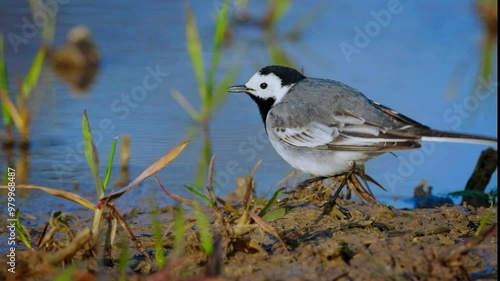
[211,93]
[19,115]
[22,232]
[203,229]
[157,240]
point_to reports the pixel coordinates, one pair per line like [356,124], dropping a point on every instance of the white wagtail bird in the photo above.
[326,128]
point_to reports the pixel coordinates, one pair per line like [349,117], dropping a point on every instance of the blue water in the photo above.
[407,62]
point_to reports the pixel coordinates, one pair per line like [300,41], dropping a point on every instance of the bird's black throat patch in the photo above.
[287,75]
[264,106]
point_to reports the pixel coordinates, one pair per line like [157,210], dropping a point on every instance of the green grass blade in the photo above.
[241,4]
[198,193]
[49,31]
[11,110]
[210,184]
[221,91]
[276,213]
[203,163]
[179,229]
[184,103]
[3,72]
[196,55]
[110,164]
[472,193]
[124,258]
[280,8]
[66,274]
[49,25]
[271,201]
[148,172]
[91,154]
[203,228]
[21,231]
[3,83]
[493,195]
[158,245]
[220,30]
[31,78]
[484,221]
[487,61]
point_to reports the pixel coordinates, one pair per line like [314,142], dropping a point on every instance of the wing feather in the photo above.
[325,114]
[342,131]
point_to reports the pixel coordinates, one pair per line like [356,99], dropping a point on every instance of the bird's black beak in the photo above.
[239,89]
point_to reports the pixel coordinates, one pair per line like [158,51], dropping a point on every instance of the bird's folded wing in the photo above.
[398,116]
[336,131]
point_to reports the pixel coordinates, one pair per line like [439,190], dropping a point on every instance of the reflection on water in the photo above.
[406,65]
[77,63]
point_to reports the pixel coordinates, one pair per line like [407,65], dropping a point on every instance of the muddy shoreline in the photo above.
[377,243]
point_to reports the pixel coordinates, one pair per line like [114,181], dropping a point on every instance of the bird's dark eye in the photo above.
[263,86]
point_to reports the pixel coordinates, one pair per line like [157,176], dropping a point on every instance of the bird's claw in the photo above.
[327,208]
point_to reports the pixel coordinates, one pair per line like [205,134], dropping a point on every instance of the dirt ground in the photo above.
[376,243]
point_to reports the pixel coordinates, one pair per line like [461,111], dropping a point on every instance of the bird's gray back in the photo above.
[319,99]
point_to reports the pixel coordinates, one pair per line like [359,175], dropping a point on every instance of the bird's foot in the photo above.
[339,211]
[328,207]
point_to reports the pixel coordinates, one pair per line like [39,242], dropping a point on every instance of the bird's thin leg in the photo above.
[327,207]
[307,182]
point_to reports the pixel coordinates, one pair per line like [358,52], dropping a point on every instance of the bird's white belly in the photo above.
[317,161]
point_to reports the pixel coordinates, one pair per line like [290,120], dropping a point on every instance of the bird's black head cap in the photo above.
[287,75]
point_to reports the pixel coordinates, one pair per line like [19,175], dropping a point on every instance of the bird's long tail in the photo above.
[441,136]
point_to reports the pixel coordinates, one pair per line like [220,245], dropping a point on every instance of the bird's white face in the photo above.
[267,86]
